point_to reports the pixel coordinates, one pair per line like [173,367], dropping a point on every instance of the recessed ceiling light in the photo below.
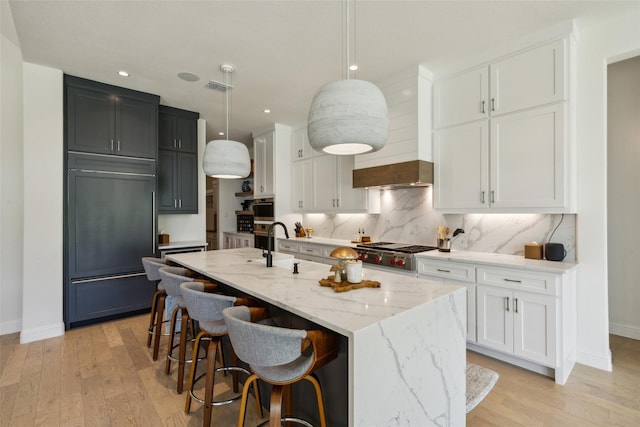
[123,73]
[221,133]
[188,77]
[353,67]
[267,111]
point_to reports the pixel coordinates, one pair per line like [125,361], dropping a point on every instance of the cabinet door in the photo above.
[263,155]
[462,98]
[167,181]
[348,199]
[136,128]
[167,131]
[111,220]
[301,185]
[461,168]
[534,322]
[300,147]
[90,119]
[324,187]
[187,135]
[527,159]
[529,79]
[187,185]
[495,318]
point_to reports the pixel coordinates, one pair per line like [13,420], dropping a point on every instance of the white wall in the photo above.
[188,227]
[43,203]
[597,46]
[623,151]
[11,182]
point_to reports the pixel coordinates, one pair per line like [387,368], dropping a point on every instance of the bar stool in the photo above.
[156,319]
[280,357]
[172,277]
[207,308]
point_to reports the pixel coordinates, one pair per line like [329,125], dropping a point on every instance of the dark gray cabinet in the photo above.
[111,145]
[177,162]
[106,119]
[178,130]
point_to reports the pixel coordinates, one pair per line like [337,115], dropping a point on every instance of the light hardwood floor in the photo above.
[103,375]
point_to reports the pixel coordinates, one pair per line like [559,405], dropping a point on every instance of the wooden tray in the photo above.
[346,286]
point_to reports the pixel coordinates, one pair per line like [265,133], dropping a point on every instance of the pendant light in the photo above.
[224,158]
[348,116]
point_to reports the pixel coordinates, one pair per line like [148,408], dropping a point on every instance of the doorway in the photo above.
[623,196]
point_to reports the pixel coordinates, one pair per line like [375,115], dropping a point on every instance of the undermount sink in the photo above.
[278,260]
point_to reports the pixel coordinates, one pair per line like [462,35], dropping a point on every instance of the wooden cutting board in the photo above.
[346,286]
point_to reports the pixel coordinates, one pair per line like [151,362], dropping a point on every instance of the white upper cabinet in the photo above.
[301,185]
[502,140]
[263,165]
[461,166]
[529,79]
[332,186]
[300,147]
[461,98]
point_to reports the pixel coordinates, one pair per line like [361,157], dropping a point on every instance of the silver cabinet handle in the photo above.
[180,143]
[118,145]
[506,300]
[112,145]
[179,203]
[493,104]
[175,143]
[334,202]
[337,203]
[153,222]
[515,301]
[443,271]
[175,203]
[493,196]
[482,109]
[482,197]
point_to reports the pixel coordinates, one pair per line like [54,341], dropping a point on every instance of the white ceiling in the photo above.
[283,51]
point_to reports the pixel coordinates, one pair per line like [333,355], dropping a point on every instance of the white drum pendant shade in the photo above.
[348,117]
[226,159]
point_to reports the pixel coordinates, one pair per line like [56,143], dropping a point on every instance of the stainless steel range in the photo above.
[397,256]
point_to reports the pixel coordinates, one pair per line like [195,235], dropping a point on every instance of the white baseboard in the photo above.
[10,327]
[42,333]
[599,361]
[629,331]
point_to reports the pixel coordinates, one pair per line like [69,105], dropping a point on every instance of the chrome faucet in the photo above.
[269,236]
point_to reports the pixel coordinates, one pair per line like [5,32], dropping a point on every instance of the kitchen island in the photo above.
[406,340]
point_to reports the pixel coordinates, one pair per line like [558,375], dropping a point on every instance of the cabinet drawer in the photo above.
[287,247]
[447,270]
[519,280]
[310,250]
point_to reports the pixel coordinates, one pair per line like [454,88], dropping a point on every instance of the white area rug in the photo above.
[480,381]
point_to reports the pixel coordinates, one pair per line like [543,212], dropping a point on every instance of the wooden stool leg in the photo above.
[256,391]
[172,326]
[182,352]
[275,413]
[192,373]
[152,316]
[158,327]
[316,385]
[243,403]
[210,377]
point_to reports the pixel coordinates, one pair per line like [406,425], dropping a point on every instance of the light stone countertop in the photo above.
[182,244]
[484,258]
[500,260]
[301,294]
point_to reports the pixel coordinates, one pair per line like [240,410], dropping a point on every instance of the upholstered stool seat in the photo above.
[172,277]
[206,308]
[152,267]
[280,357]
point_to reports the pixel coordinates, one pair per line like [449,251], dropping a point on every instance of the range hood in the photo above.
[415,173]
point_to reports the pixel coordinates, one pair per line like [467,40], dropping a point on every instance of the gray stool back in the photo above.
[152,268]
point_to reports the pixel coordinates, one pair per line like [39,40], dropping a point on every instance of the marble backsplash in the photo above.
[407,216]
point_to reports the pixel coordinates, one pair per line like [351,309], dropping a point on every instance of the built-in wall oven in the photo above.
[263,217]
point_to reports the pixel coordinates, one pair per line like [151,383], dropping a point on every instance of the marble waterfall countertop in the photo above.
[406,339]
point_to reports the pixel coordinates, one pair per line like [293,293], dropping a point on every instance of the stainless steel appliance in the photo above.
[263,217]
[391,256]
